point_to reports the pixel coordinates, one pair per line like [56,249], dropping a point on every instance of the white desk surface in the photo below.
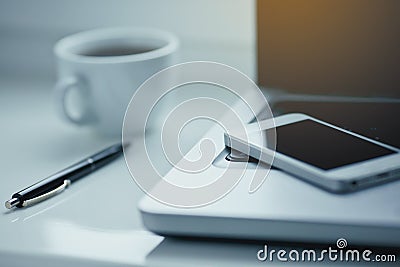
[71,228]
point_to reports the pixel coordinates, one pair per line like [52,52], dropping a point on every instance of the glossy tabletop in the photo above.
[96,221]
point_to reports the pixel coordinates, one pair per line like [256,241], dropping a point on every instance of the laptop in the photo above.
[343,83]
[285,208]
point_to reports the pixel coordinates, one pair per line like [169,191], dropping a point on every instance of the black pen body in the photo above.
[72,173]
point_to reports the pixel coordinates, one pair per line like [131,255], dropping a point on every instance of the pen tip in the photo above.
[12,203]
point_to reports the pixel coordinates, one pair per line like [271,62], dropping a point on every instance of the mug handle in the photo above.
[62,89]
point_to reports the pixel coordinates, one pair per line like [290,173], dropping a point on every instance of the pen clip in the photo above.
[47,195]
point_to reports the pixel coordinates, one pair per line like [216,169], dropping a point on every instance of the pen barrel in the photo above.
[104,157]
[72,173]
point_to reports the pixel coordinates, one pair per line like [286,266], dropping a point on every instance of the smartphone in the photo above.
[321,153]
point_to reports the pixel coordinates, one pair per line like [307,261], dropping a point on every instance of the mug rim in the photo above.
[63,47]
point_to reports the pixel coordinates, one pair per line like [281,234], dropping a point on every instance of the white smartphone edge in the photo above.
[341,179]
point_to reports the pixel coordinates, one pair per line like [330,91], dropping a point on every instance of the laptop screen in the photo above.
[330,47]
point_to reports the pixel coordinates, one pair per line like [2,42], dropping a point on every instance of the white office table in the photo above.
[93,223]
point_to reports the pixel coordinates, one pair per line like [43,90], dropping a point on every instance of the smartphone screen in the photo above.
[369,119]
[323,146]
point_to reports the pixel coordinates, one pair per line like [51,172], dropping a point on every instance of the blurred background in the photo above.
[330,47]
[218,30]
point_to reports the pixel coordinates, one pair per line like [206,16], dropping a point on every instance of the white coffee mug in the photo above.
[104,67]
